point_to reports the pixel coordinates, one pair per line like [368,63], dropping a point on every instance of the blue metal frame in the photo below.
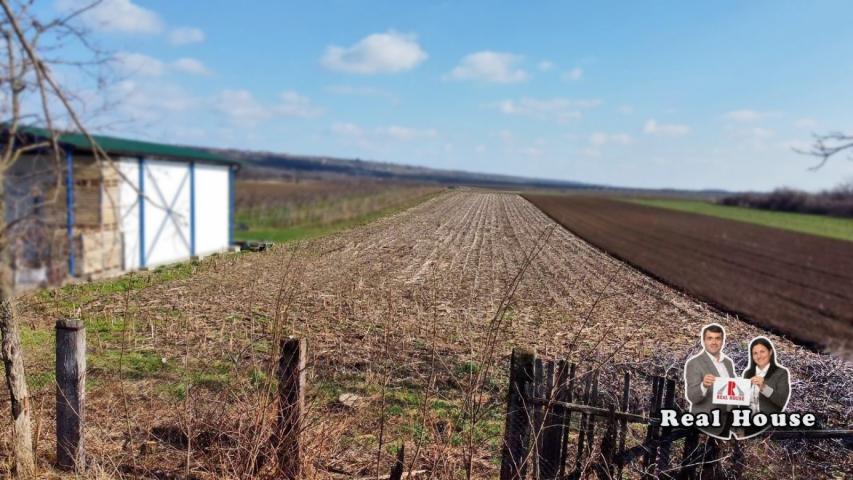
[192,209]
[141,201]
[231,174]
[69,208]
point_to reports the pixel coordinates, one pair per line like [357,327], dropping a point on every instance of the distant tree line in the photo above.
[836,202]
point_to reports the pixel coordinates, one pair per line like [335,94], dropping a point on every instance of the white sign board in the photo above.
[732,391]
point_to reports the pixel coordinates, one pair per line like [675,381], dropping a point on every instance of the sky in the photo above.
[650,94]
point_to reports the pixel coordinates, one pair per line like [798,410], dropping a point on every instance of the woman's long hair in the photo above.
[772,367]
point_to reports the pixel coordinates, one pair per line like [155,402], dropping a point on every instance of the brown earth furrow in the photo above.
[806,304]
[816,282]
[765,285]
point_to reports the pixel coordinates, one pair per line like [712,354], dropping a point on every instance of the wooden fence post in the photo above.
[399,464]
[710,465]
[552,433]
[567,397]
[651,440]
[517,428]
[623,424]
[593,401]
[690,456]
[737,459]
[70,394]
[666,442]
[538,412]
[605,466]
[582,430]
[291,401]
[16,381]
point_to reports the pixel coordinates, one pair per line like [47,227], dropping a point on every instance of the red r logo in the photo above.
[731,388]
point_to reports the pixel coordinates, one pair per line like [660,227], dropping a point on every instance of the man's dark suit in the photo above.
[694,372]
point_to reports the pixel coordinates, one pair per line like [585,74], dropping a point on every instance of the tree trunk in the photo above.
[22,437]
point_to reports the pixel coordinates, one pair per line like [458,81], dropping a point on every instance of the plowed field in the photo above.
[795,284]
[401,313]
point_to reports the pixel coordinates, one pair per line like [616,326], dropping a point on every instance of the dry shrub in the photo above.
[836,202]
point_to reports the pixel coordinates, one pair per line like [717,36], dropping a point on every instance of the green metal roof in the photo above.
[134,148]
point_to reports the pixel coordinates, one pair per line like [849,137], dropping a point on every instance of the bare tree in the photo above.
[31,47]
[828,145]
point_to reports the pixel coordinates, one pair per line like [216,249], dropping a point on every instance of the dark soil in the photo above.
[797,285]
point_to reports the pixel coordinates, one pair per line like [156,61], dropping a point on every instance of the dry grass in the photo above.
[412,313]
[276,204]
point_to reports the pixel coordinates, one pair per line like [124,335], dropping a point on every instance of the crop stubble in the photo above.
[374,303]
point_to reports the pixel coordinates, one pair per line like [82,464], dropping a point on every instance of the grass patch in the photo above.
[135,365]
[820,225]
[261,229]
[40,380]
[69,297]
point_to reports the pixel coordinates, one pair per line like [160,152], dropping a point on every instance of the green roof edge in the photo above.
[135,148]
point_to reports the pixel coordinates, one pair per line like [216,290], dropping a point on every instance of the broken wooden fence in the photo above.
[548,400]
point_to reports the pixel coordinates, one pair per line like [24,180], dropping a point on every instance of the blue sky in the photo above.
[647,94]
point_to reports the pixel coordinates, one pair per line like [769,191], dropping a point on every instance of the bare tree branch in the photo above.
[826,146]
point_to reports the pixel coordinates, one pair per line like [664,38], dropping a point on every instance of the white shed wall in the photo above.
[167,210]
[129,211]
[211,208]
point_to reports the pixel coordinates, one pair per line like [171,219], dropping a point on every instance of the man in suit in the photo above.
[701,370]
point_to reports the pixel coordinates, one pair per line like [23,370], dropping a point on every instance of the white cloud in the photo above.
[598,138]
[546,66]
[150,100]
[370,138]
[362,92]
[621,138]
[532,152]
[602,138]
[186,35]
[755,138]
[487,66]
[761,133]
[139,64]
[796,144]
[344,129]
[389,52]
[573,74]
[405,134]
[805,123]
[652,127]
[744,115]
[591,152]
[293,104]
[560,109]
[121,16]
[191,66]
[241,107]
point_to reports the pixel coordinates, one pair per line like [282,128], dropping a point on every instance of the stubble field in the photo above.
[415,314]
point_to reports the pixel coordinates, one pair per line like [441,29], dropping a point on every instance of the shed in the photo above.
[154,204]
